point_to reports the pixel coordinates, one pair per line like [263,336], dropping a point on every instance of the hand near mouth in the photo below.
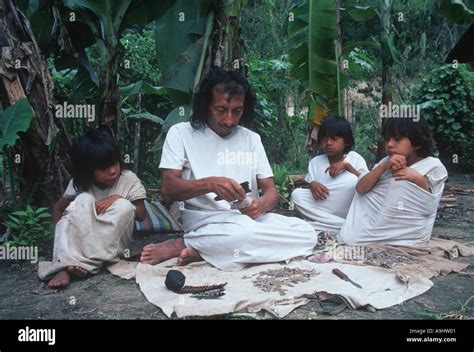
[396,162]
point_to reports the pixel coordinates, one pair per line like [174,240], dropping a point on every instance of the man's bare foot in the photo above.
[159,252]
[189,255]
[77,271]
[61,279]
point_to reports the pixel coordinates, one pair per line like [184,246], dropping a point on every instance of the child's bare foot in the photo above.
[189,255]
[78,271]
[61,279]
[159,252]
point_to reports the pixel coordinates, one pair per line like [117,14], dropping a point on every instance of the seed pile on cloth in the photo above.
[386,258]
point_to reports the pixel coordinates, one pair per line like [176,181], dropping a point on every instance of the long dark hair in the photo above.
[95,150]
[418,132]
[232,82]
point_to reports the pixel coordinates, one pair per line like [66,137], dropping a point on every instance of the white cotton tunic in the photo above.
[224,237]
[330,213]
[89,240]
[396,212]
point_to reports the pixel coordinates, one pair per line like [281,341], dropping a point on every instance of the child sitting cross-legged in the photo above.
[94,218]
[396,202]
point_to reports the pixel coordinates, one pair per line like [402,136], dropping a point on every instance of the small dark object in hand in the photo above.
[175,280]
[245,186]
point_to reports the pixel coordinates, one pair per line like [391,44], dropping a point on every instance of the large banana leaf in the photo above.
[389,52]
[456,11]
[178,114]
[115,16]
[109,12]
[314,61]
[16,118]
[181,37]
[366,13]
[179,43]
[361,13]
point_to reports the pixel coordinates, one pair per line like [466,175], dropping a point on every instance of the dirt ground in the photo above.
[105,296]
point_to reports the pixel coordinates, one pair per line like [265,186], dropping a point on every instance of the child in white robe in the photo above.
[332,177]
[396,202]
[94,218]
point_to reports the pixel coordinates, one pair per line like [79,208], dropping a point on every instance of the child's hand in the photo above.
[396,162]
[336,168]
[102,205]
[319,190]
[406,174]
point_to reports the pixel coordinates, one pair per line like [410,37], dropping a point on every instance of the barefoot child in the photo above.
[332,177]
[397,201]
[94,218]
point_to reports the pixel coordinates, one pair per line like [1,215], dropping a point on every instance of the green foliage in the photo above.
[447,102]
[139,49]
[282,134]
[182,37]
[360,64]
[361,13]
[264,28]
[456,11]
[314,59]
[29,227]
[283,183]
[366,129]
[16,118]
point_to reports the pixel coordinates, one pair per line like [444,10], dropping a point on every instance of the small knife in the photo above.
[343,276]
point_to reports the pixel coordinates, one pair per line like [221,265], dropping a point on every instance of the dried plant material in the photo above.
[327,240]
[278,280]
[386,258]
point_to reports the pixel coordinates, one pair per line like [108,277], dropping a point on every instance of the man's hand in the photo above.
[255,209]
[102,205]
[227,188]
[336,168]
[319,190]
[396,162]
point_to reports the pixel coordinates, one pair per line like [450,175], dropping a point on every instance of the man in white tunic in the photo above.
[207,160]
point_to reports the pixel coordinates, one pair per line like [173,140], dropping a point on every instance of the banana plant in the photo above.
[456,11]
[389,53]
[189,40]
[107,19]
[182,37]
[315,57]
[15,119]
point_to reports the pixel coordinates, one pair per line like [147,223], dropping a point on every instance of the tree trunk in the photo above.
[109,92]
[227,39]
[24,74]
[386,73]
